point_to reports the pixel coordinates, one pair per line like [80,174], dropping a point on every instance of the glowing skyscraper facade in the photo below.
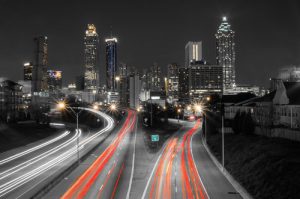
[226,53]
[39,73]
[111,63]
[91,48]
[193,52]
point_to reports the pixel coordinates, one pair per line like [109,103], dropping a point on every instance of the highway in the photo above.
[184,170]
[124,167]
[100,174]
[26,170]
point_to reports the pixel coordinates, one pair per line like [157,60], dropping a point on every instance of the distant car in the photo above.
[191,118]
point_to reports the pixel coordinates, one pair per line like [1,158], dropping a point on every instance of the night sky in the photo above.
[267,33]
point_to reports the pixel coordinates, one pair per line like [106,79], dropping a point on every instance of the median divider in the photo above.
[61,175]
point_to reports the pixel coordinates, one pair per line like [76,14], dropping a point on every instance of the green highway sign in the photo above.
[154,138]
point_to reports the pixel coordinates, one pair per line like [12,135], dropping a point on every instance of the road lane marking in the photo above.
[196,166]
[133,162]
[21,180]
[151,175]
[94,170]
[117,182]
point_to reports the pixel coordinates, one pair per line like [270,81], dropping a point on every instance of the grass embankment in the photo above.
[16,135]
[266,167]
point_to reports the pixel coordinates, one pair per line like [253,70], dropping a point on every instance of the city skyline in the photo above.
[65,35]
[149,99]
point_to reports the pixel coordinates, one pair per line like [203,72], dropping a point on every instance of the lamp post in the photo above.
[223,137]
[151,115]
[178,111]
[63,105]
[291,117]
[117,78]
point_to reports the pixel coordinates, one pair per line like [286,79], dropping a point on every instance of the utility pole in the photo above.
[291,117]
[205,128]
[223,137]
[151,113]
[223,147]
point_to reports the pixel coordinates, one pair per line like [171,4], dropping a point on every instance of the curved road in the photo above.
[123,167]
[24,173]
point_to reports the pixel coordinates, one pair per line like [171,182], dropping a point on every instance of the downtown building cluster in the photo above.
[30,98]
[37,94]
[123,84]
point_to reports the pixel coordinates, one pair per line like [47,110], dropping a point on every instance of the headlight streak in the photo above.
[21,180]
[83,184]
[39,157]
[6,160]
[191,183]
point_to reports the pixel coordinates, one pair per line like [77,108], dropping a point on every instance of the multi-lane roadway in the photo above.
[26,170]
[122,165]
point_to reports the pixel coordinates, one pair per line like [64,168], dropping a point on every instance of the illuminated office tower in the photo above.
[193,52]
[173,80]
[156,77]
[39,72]
[111,63]
[54,80]
[91,48]
[226,53]
[28,67]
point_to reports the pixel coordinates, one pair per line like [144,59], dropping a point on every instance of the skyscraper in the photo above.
[91,48]
[54,80]
[193,52]
[173,80]
[111,63]
[183,84]
[39,73]
[134,90]
[156,78]
[28,67]
[204,79]
[123,69]
[226,53]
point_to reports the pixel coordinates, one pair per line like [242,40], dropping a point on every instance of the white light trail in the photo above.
[23,179]
[6,160]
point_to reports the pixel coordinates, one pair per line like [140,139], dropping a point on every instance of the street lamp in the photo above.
[189,108]
[95,107]
[117,78]
[198,108]
[113,107]
[178,112]
[62,106]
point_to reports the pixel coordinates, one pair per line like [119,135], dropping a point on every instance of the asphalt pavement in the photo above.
[27,170]
[121,164]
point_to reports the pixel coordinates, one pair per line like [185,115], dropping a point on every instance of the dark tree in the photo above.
[236,122]
[249,125]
